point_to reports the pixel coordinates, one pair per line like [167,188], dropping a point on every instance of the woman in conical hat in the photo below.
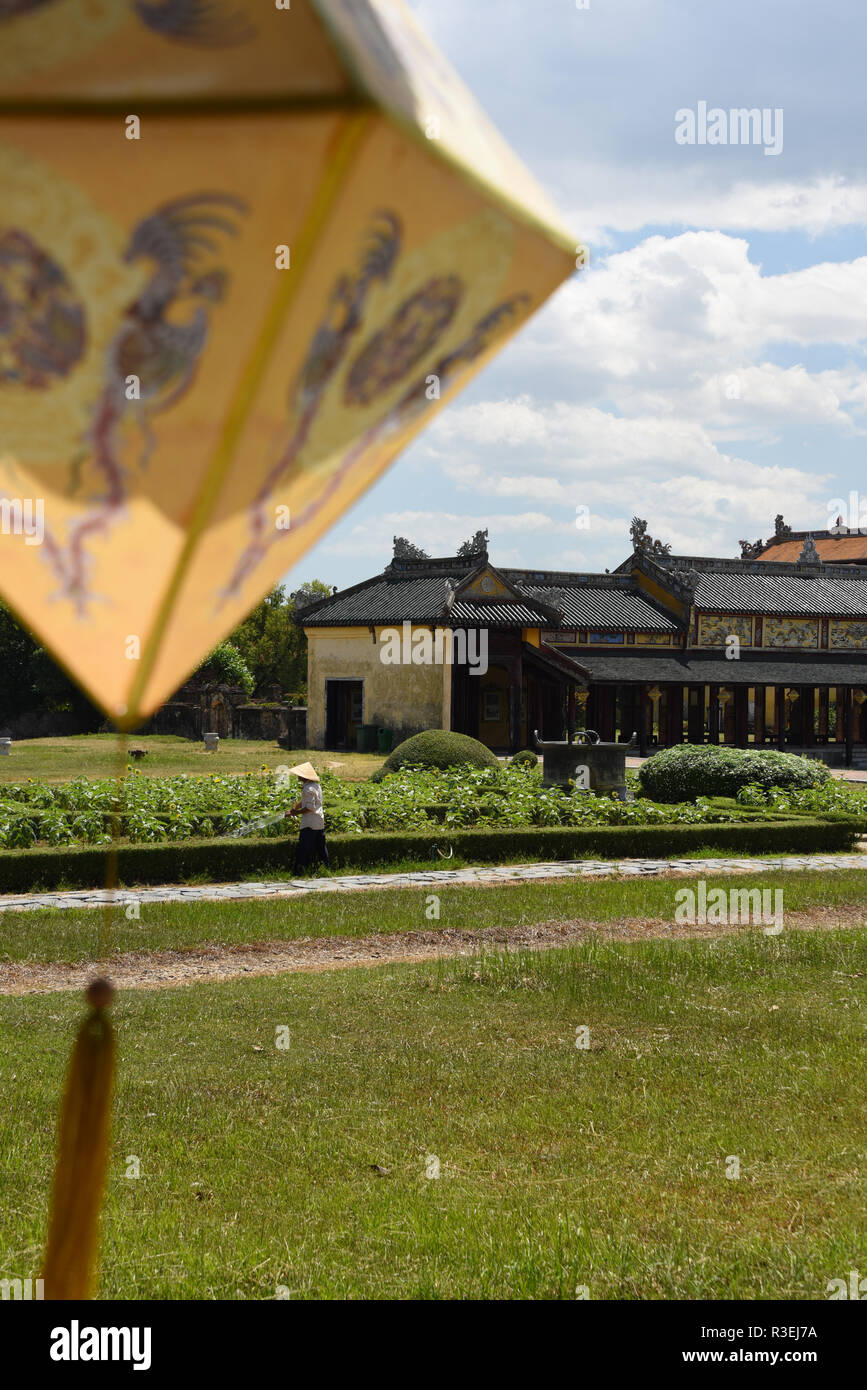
[311,836]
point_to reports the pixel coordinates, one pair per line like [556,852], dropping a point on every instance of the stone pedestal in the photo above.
[601,767]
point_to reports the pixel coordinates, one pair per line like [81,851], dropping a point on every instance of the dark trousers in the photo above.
[311,846]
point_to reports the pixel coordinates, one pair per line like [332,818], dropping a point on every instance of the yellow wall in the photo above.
[401,697]
[654,590]
[486,585]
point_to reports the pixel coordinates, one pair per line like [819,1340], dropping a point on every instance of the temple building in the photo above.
[752,652]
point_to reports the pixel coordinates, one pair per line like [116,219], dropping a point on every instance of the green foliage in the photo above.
[437,748]
[32,683]
[228,665]
[526,758]
[830,798]
[155,809]
[688,771]
[272,643]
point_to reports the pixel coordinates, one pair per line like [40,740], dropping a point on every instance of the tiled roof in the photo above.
[386,600]
[547,655]
[814,668]
[609,608]
[797,594]
[424,593]
[478,613]
[832,549]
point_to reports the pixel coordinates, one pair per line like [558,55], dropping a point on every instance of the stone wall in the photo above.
[226,711]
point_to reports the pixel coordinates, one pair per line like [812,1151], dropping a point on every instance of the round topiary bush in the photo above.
[688,771]
[526,758]
[437,748]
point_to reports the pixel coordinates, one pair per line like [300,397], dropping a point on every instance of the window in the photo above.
[491,706]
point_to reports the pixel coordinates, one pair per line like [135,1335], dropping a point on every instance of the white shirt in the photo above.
[311,807]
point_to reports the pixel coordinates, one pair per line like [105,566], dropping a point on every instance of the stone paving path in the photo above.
[507,873]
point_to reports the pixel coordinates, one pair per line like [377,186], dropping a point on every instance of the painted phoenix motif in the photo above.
[151,361]
[402,347]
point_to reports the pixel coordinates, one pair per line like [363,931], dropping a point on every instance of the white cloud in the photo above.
[628,199]
[695,302]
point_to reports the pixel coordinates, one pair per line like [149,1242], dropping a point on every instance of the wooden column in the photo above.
[839,714]
[641,712]
[808,715]
[606,707]
[516,681]
[742,715]
[759,719]
[713,715]
[726,699]
[539,712]
[570,713]
[858,702]
[654,706]
[849,717]
[695,716]
[780,711]
[822,734]
[675,715]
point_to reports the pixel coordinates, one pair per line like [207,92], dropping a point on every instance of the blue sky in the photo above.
[708,371]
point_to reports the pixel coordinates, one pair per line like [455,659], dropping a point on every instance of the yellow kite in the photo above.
[247,249]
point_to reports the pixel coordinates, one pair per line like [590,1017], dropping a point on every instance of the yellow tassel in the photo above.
[82,1154]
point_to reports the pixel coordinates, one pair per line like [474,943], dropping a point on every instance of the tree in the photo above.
[272,644]
[309,592]
[228,665]
[31,682]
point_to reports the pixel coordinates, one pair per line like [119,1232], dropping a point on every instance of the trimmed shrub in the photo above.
[689,770]
[26,871]
[526,758]
[437,748]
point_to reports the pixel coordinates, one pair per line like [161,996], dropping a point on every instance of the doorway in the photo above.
[344,711]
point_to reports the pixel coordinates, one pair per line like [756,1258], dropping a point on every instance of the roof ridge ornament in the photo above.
[642,541]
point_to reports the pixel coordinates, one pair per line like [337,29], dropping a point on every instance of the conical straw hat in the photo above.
[307,771]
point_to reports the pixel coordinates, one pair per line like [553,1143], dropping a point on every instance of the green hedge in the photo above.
[23,871]
[691,770]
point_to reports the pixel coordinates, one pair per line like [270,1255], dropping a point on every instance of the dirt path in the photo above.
[203,965]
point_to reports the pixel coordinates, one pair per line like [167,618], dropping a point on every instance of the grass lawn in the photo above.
[72,937]
[559,1167]
[95,755]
